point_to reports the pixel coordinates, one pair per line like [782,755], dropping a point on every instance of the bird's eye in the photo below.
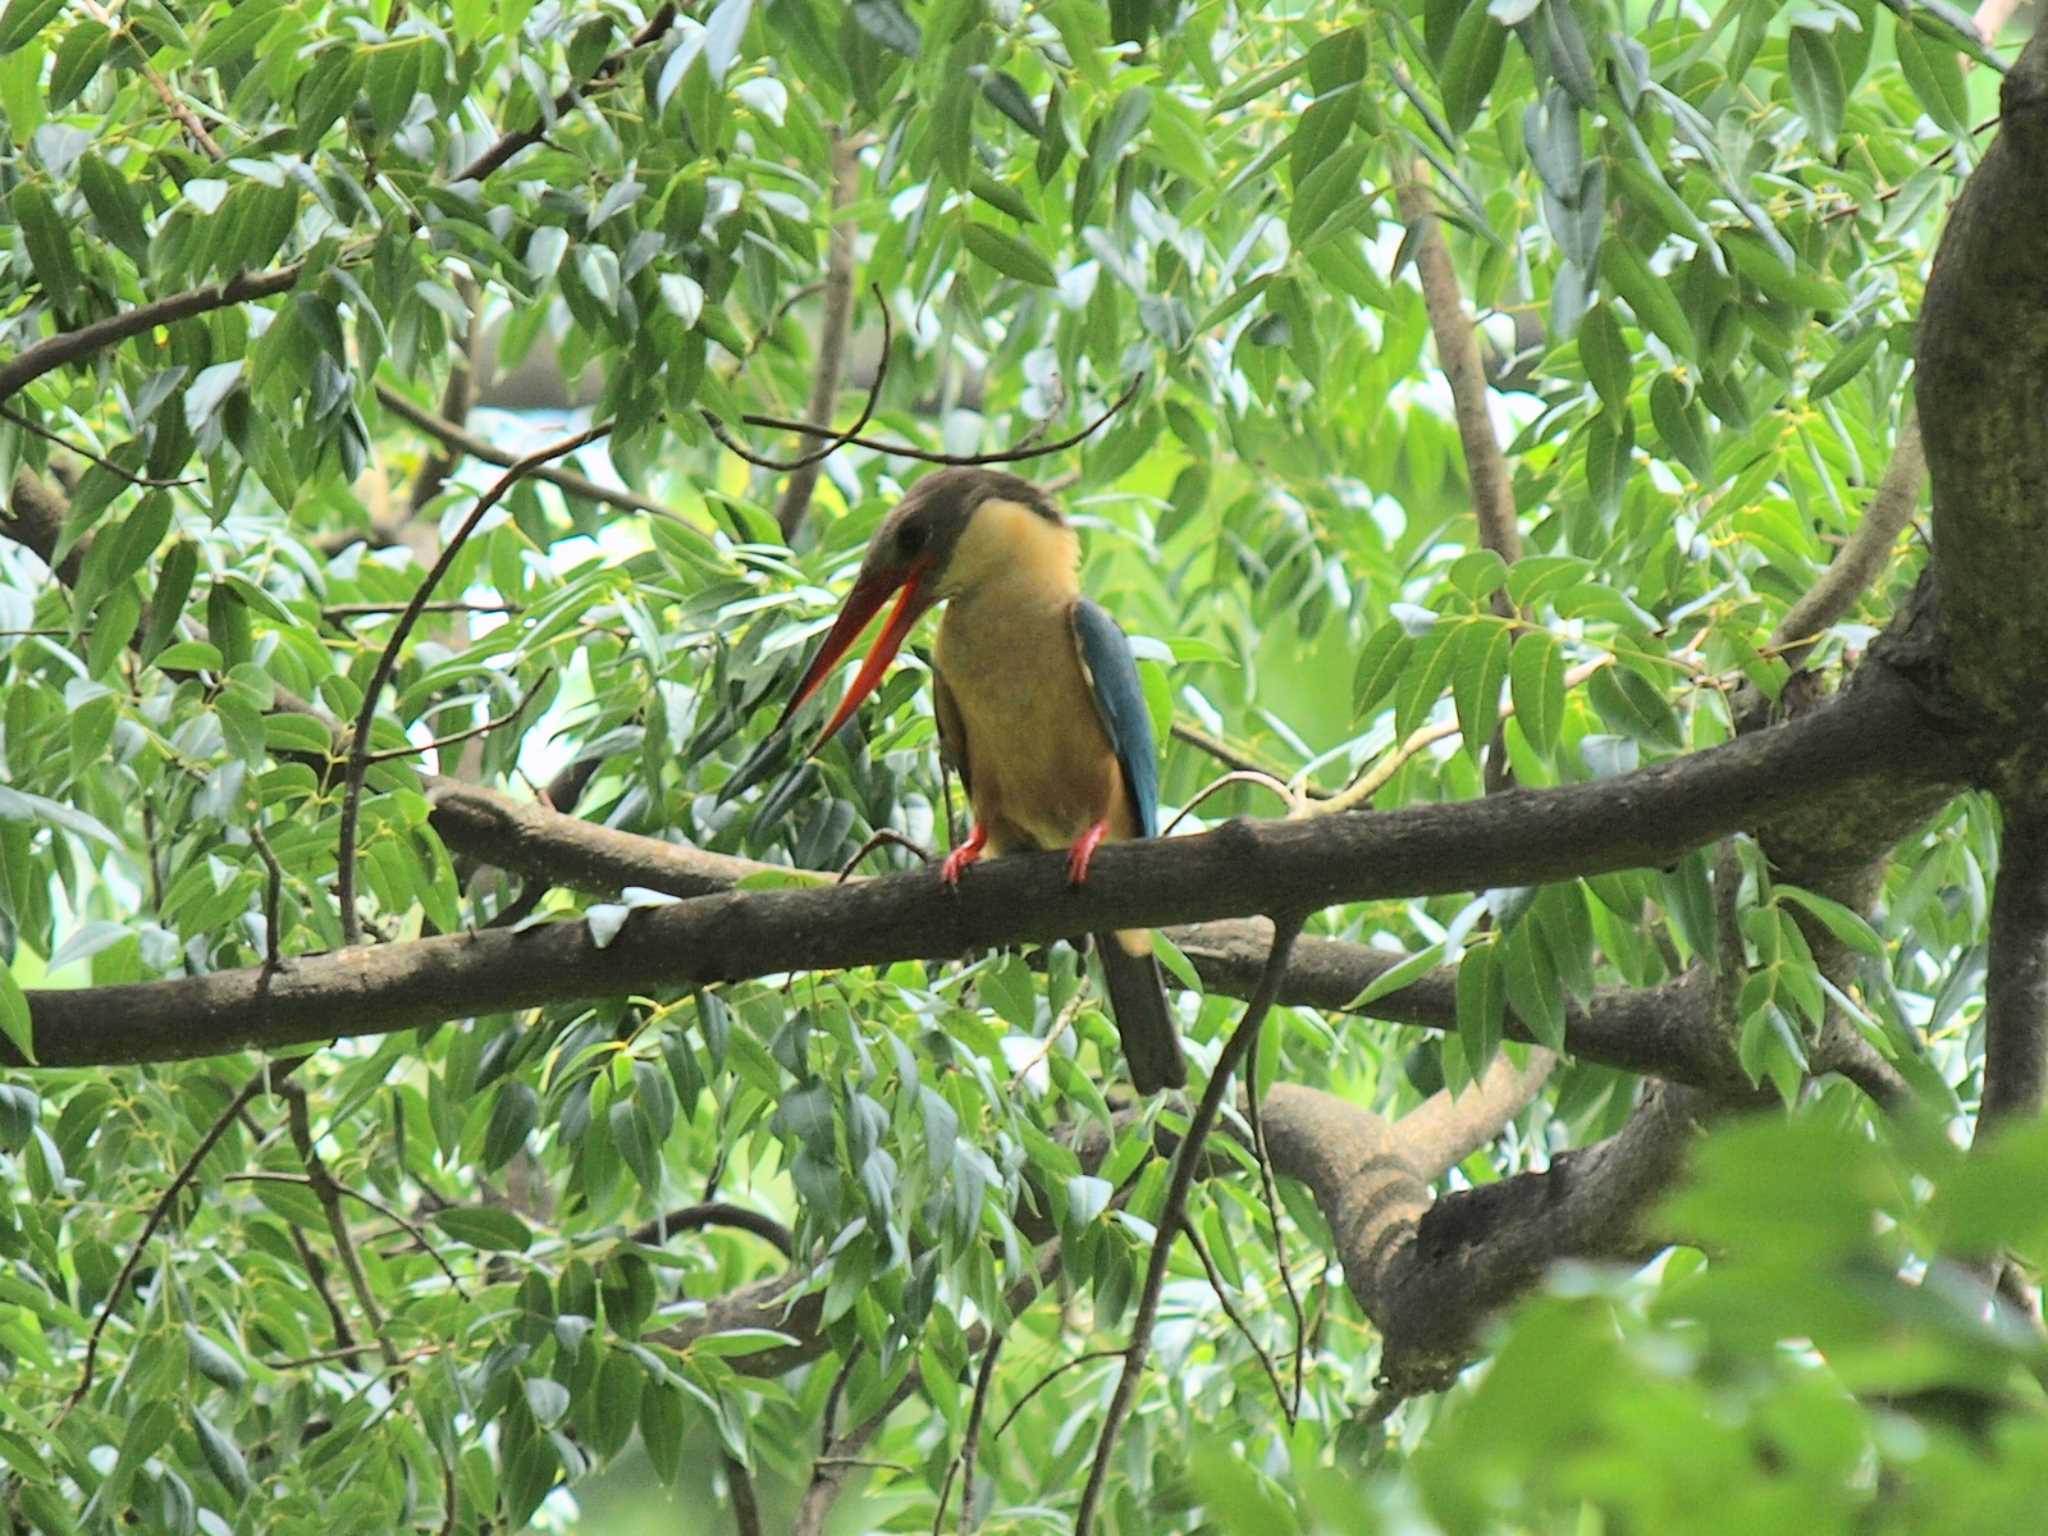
[910,540]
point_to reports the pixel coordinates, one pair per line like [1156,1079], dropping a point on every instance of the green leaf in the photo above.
[1106,145]
[213,1362]
[1422,680]
[1482,1004]
[1936,76]
[888,24]
[1677,421]
[48,240]
[191,656]
[1755,260]
[1476,679]
[15,1023]
[1536,684]
[23,20]
[1477,47]
[1843,922]
[1008,255]
[1329,190]
[1609,365]
[952,118]
[235,34]
[1633,705]
[1416,966]
[1815,75]
[491,1228]
[1846,363]
[1177,964]
[1323,127]
[1655,306]
[1380,664]
[514,1114]
[1006,199]
[742,1341]
[1532,985]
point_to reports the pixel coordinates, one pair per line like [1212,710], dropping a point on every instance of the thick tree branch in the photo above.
[1457,352]
[1658,1030]
[833,327]
[1860,561]
[1982,333]
[2016,981]
[34,518]
[74,346]
[1857,750]
[1442,1130]
[1429,1275]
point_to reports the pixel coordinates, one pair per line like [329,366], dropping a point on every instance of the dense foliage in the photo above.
[410,1286]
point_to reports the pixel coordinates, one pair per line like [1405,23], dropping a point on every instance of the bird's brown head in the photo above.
[912,553]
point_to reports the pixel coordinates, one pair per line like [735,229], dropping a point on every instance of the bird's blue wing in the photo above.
[1112,674]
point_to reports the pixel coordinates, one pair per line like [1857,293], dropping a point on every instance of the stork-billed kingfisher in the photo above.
[1039,707]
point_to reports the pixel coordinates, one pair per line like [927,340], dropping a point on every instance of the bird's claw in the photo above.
[958,860]
[1084,850]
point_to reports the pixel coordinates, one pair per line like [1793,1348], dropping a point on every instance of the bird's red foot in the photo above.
[1084,850]
[964,855]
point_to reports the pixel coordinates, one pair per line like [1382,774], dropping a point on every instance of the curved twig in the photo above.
[714,1213]
[387,663]
[926,456]
[265,1077]
[391,754]
[837,438]
[150,482]
[1235,776]
[1173,1215]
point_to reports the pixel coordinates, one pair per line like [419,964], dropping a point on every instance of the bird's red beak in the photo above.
[868,594]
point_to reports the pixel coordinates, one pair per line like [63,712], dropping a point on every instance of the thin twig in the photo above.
[338,611]
[173,103]
[1048,1379]
[1255,1117]
[1060,1026]
[1236,757]
[1375,778]
[1863,557]
[387,663]
[746,1508]
[29,425]
[964,1462]
[1235,776]
[54,352]
[510,715]
[413,1228]
[273,892]
[606,73]
[837,439]
[329,1193]
[566,480]
[1173,1214]
[316,1275]
[1222,1289]
[266,1076]
[884,837]
[714,1213]
[926,456]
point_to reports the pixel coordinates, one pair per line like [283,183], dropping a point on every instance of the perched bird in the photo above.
[1039,707]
